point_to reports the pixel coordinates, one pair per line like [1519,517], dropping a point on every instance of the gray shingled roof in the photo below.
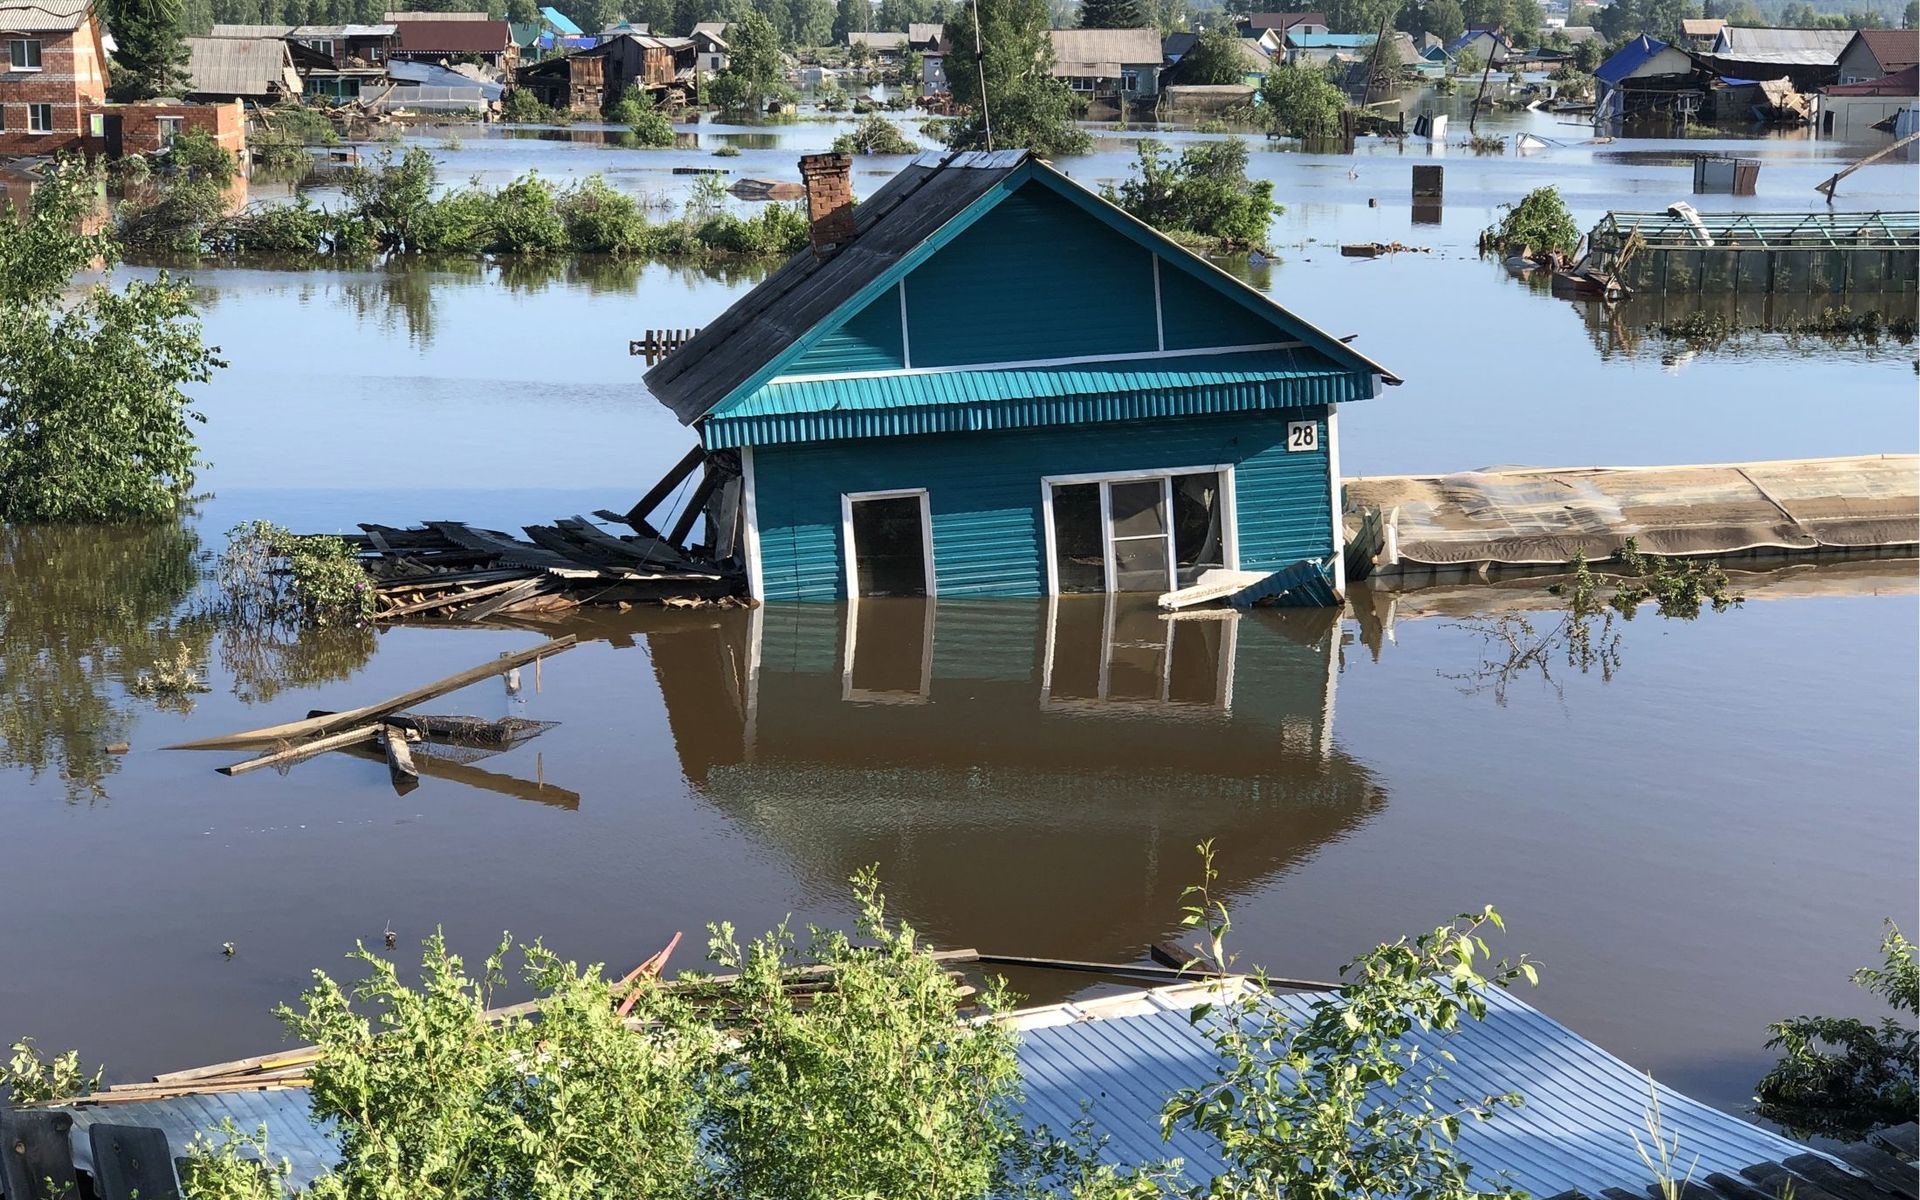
[888,225]
[1784,47]
[43,16]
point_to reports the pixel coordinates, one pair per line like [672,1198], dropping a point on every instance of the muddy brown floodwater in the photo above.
[1706,843]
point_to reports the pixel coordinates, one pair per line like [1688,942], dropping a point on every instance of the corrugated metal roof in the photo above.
[927,198]
[1124,46]
[1785,47]
[286,1112]
[1904,82]
[1702,26]
[43,16]
[878,41]
[1283,21]
[1629,58]
[255,68]
[1080,394]
[1574,1131]
[1330,41]
[561,21]
[922,33]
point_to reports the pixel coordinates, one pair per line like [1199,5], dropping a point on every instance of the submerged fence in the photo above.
[1687,251]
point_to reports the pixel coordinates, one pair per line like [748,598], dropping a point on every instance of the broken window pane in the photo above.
[889,549]
[1079,559]
[1197,542]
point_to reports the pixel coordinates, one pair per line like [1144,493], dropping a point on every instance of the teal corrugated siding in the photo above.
[869,341]
[984,493]
[979,401]
[1033,279]
[1196,315]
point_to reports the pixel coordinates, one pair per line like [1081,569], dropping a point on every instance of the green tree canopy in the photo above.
[753,66]
[1112,14]
[1443,19]
[150,50]
[1206,195]
[94,425]
[1025,105]
[1216,57]
[1299,102]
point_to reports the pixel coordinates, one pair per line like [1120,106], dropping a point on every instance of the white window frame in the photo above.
[34,126]
[165,129]
[1229,516]
[851,565]
[13,63]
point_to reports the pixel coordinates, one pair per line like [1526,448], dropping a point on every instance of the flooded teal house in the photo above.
[985,380]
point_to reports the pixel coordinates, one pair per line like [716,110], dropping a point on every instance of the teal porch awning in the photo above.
[973,401]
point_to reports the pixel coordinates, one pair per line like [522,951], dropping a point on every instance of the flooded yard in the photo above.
[1707,842]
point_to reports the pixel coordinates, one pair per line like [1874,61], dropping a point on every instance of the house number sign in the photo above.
[1303,435]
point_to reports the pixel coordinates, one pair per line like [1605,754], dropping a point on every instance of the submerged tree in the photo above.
[1215,58]
[1204,196]
[753,73]
[1023,105]
[1299,102]
[94,424]
[1840,1075]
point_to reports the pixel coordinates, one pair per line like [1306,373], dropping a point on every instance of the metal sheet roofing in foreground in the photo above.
[1128,1054]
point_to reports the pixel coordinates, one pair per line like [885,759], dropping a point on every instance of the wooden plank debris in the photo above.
[317,726]
[1900,1178]
[304,750]
[400,768]
[1903,1140]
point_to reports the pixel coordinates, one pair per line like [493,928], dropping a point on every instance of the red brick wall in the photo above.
[71,75]
[140,125]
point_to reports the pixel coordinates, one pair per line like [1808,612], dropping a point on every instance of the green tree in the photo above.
[753,66]
[1443,19]
[1299,102]
[1360,16]
[1025,106]
[523,12]
[811,21]
[1206,195]
[1111,14]
[851,16]
[94,425]
[1216,57]
[150,51]
[1910,16]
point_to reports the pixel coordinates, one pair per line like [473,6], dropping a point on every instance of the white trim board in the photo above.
[1023,364]
[848,561]
[756,586]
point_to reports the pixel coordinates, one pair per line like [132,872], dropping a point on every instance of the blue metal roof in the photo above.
[1574,1131]
[1628,59]
[561,22]
[889,405]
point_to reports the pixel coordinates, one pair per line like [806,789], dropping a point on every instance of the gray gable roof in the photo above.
[888,225]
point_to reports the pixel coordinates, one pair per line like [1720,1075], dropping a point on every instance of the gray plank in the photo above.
[1900,1178]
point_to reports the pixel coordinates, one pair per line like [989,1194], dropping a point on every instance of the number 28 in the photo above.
[1303,435]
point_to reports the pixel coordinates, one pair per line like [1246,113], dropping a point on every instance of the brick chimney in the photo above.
[829,182]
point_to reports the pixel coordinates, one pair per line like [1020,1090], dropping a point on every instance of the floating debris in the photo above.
[1376,249]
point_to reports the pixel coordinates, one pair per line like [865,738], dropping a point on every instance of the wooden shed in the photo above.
[985,380]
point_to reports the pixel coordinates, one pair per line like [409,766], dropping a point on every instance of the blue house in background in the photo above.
[985,380]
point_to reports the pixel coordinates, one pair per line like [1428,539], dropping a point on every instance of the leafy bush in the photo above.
[636,108]
[195,152]
[522,107]
[31,1078]
[1330,1104]
[1840,1074]
[600,220]
[94,425]
[172,214]
[1205,195]
[391,199]
[234,1167]
[1300,102]
[874,1089]
[431,1097]
[1539,223]
[874,135]
[269,574]
[281,135]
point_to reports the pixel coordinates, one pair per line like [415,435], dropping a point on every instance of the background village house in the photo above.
[442,37]
[909,408]
[1109,65]
[258,70]
[55,68]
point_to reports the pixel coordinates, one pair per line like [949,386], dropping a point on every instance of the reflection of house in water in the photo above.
[1026,775]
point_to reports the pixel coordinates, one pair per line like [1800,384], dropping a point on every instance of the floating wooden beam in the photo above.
[316,726]
[305,750]
[637,515]
[400,766]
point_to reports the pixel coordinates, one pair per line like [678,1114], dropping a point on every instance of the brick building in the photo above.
[149,126]
[52,70]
